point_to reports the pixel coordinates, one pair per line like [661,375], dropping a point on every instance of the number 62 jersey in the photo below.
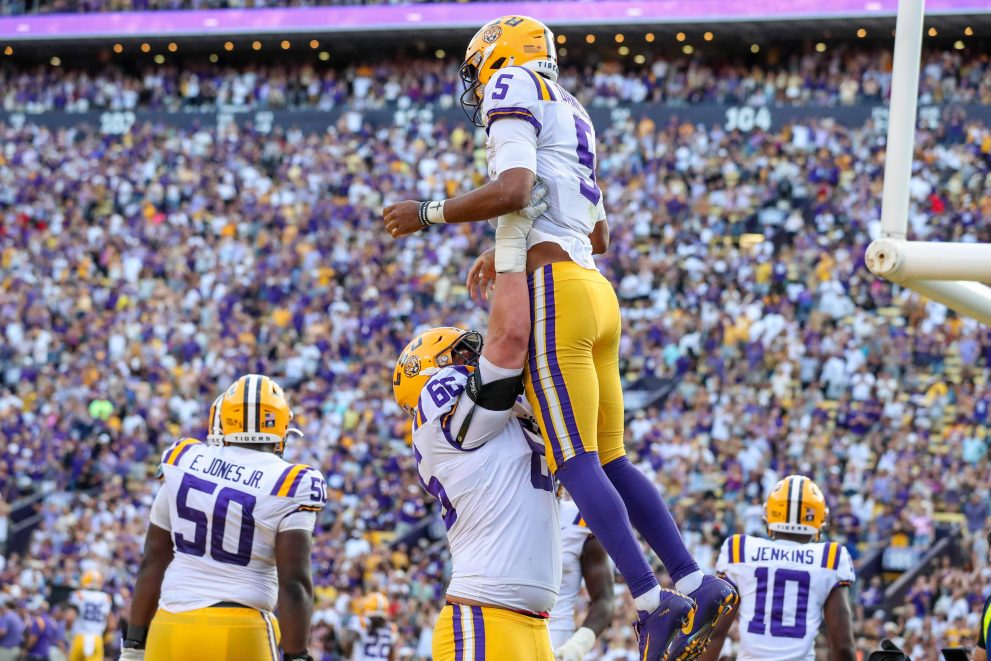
[496,495]
[224,506]
[783,586]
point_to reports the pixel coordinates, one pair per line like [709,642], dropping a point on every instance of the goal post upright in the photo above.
[949,273]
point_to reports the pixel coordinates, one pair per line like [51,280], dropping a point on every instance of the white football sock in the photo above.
[691,583]
[650,600]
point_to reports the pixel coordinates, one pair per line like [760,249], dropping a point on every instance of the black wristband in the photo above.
[302,656]
[135,637]
[422,214]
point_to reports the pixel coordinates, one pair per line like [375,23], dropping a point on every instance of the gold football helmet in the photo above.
[507,41]
[91,579]
[375,605]
[215,431]
[796,505]
[427,353]
[254,410]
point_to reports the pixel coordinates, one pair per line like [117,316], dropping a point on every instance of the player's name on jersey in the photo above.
[228,471]
[776,554]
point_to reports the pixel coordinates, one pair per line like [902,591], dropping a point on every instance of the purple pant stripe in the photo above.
[459,637]
[538,387]
[559,386]
[478,624]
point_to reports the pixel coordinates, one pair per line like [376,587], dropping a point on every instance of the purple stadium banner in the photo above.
[446,15]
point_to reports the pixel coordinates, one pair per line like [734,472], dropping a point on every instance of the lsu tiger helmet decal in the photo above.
[796,505]
[507,41]
[427,353]
[255,410]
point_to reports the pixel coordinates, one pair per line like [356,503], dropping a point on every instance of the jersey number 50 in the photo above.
[218,523]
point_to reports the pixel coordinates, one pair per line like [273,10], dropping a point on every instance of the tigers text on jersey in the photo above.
[94,609]
[564,140]
[224,507]
[369,645]
[783,586]
[574,533]
[496,496]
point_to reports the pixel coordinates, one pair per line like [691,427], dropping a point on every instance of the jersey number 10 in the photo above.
[782,577]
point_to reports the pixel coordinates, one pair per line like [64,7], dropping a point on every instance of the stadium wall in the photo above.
[742,118]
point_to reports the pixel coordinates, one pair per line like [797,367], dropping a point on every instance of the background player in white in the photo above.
[229,539]
[93,607]
[537,129]
[789,583]
[369,635]
[583,560]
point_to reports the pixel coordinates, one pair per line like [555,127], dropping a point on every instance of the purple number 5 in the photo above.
[502,89]
[587,159]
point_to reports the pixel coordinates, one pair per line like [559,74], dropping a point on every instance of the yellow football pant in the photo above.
[213,634]
[572,375]
[478,633]
[86,647]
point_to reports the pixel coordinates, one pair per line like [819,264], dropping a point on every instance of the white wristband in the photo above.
[510,243]
[584,638]
[432,213]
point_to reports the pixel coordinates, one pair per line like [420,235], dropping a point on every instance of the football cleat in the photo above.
[713,599]
[656,630]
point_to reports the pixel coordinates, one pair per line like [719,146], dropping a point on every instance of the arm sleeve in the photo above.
[514,145]
[308,498]
[722,563]
[485,423]
[601,208]
[160,514]
[844,572]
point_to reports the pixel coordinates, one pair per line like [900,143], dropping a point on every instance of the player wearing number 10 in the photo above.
[790,583]
[229,538]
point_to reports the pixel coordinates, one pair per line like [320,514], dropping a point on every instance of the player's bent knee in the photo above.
[609,455]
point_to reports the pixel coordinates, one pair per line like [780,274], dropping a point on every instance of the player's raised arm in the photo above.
[157,556]
[839,625]
[292,561]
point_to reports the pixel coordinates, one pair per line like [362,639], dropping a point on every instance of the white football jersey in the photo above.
[496,496]
[371,646]
[565,146]
[574,533]
[224,507]
[94,609]
[783,586]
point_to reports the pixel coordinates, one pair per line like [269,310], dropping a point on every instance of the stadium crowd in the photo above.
[140,274]
[17,7]
[843,76]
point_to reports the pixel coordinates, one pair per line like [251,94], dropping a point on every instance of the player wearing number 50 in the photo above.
[789,583]
[229,539]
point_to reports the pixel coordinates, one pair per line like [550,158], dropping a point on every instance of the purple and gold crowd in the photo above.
[140,274]
[842,76]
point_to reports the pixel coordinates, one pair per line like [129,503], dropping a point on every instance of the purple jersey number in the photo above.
[587,159]
[436,489]
[442,392]
[782,577]
[537,477]
[502,89]
[217,524]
